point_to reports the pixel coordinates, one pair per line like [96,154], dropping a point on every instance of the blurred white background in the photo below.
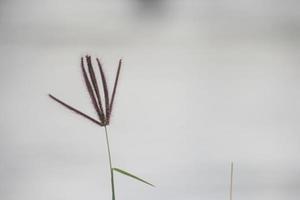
[203,83]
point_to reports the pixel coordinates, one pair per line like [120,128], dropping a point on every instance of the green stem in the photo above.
[110,166]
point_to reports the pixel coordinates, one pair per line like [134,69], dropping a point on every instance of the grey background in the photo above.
[203,83]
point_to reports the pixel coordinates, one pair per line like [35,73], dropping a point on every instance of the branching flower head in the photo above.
[103,109]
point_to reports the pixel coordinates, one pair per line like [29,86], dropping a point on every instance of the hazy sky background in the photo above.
[203,83]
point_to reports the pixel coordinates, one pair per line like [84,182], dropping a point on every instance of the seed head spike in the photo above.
[105,89]
[91,93]
[95,84]
[115,86]
[75,110]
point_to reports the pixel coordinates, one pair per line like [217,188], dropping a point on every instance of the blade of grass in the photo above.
[132,176]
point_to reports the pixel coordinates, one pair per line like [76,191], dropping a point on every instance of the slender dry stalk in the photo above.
[104,117]
[231,181]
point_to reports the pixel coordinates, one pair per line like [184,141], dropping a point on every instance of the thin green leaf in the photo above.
[132,176]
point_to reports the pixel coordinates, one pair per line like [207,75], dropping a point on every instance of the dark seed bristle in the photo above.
[75,110]
[105,89]
[95,84]
[98,110]
[115,86]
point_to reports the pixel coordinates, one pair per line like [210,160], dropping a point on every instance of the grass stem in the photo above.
[110,166]
[231,181]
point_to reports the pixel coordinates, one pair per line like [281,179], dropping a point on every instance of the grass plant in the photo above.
[103,109]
